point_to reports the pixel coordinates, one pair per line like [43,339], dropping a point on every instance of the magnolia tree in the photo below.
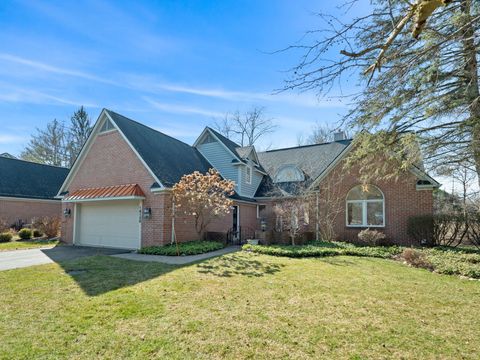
[204,197]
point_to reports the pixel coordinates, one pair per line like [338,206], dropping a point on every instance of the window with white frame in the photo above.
[107,126]
[365,207]
[249,174]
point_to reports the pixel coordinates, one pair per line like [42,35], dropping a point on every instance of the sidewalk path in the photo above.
[177,260]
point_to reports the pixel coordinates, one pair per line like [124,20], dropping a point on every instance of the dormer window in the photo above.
[249,174]
[289,173]
[107,126]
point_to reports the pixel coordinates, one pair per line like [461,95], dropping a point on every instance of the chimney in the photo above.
[339,136]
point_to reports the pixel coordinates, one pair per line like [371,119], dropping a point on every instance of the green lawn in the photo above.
[30,244]
[241,305]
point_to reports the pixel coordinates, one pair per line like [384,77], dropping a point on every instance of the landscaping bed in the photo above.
[186,248]
[324,248]
[442,260]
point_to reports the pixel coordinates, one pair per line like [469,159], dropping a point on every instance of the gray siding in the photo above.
[221,159]
[249,190]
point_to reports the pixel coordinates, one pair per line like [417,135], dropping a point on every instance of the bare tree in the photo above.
[427,93]
[319,133]
[245,128]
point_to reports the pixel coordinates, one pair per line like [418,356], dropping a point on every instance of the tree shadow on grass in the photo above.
[97,273]
[335,260]
[238,264]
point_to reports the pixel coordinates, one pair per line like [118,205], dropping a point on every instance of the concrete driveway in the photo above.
[24,258]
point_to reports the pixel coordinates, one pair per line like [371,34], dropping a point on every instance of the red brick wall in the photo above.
[26,210]
[401,198]
[111,161]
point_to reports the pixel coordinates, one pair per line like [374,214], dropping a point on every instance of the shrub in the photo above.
[25,234]
[420,228]
[37,233]
[5,237]
[371,237]
[187,248]
[416,258]
[50,226]
[322,249]
[4,226]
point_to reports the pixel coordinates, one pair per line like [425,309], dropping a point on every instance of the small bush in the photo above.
[322,249]
[50,226]
[4,226]
[187,248]
[25,234]
[37,233]
[371,237]
[6,237]
[420,228]
[416,258]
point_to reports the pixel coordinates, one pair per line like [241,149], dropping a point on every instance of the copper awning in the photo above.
[117,192]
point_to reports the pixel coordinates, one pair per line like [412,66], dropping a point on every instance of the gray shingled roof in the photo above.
[313,160]
[167,157]
[26,179]
[244,151]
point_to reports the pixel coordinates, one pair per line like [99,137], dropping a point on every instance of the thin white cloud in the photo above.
[181,109]
[11,139]
[19,95]
[148,85]
[54,69]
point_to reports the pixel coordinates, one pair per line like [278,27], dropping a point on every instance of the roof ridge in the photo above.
[303,146]
[35,163]
[218,133]
[148,127]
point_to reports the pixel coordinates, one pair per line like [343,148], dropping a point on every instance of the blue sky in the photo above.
[174,66]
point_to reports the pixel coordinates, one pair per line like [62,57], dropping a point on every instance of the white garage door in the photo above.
[108,224]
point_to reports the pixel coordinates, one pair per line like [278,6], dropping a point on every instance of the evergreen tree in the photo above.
[80,129]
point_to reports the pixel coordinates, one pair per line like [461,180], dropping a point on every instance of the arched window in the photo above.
[365,207]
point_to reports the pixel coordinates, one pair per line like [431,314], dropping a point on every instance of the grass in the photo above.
[186,248]
[18,244]
[241,305]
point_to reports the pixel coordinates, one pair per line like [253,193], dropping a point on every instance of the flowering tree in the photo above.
[203,196]
[292,215]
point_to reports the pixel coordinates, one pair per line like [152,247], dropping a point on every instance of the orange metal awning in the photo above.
[129,191]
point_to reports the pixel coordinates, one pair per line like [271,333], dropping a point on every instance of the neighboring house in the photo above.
[28,190]
[117,193]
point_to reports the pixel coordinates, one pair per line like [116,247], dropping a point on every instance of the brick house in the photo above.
[28,190]
[117,193]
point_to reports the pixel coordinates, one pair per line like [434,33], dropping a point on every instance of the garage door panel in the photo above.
[109,224]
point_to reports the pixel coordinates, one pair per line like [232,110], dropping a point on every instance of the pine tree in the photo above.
[80,128]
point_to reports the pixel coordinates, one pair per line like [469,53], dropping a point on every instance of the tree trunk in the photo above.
[472,83]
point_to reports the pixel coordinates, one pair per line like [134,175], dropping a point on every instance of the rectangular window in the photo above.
[354,213]
[365,213]
[375,213]
[249,175]
[260,211]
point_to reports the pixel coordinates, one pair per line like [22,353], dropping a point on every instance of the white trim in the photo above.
[88,144]
[6,198]
[105,199]
[364,209]
[160,190]
[75,211]
[248,179]
[79,160]
[331,166]
[140,224]
[195,144]
[425,187]
[135,151]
